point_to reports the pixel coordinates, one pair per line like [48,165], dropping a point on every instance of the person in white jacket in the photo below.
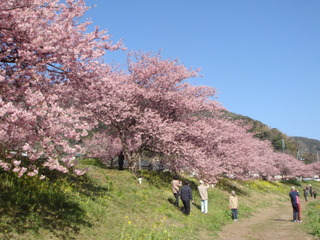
[203,192]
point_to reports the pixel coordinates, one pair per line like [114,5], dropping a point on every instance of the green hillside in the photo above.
[301,147]
[110,204]
[309,149]
[264,132]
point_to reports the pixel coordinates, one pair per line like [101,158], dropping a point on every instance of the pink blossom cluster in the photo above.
[45,52]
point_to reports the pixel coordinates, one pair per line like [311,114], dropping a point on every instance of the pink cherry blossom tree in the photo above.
[44,53]
[147,105]
[102,146]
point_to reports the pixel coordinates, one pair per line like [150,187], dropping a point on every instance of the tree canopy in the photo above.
[59,99]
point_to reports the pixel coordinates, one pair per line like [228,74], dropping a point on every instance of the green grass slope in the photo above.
[111,204]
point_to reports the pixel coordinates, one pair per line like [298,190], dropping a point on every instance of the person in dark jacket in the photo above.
[186,197]
[294,196]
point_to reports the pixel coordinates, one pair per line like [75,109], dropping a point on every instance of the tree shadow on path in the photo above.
[281,220]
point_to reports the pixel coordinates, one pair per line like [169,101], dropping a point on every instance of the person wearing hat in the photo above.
[203,192]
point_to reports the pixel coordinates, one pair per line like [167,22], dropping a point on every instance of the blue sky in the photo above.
[263,56]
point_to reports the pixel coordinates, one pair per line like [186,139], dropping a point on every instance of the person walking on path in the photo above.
[314,194]
[294,197]
[175,185]
[233,205]
[186,197]
[299,209]
[203,192]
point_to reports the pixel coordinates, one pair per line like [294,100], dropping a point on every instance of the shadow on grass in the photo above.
[61,216]
[291,182]
[198,206]
[86,187]
[31,205]
[228,186]
[159,179]
[171,200]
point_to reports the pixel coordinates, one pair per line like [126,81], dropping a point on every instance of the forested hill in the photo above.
[308,148]
[304,148]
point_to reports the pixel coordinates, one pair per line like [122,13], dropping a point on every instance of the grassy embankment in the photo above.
[110,204]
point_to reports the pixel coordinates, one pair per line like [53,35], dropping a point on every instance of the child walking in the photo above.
[233,205]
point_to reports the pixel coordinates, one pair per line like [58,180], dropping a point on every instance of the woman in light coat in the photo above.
[233,205]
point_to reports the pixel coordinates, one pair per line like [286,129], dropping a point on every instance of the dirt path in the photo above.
[273,223]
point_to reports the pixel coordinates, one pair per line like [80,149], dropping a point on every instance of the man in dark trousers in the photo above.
[294,197]
[186,197]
